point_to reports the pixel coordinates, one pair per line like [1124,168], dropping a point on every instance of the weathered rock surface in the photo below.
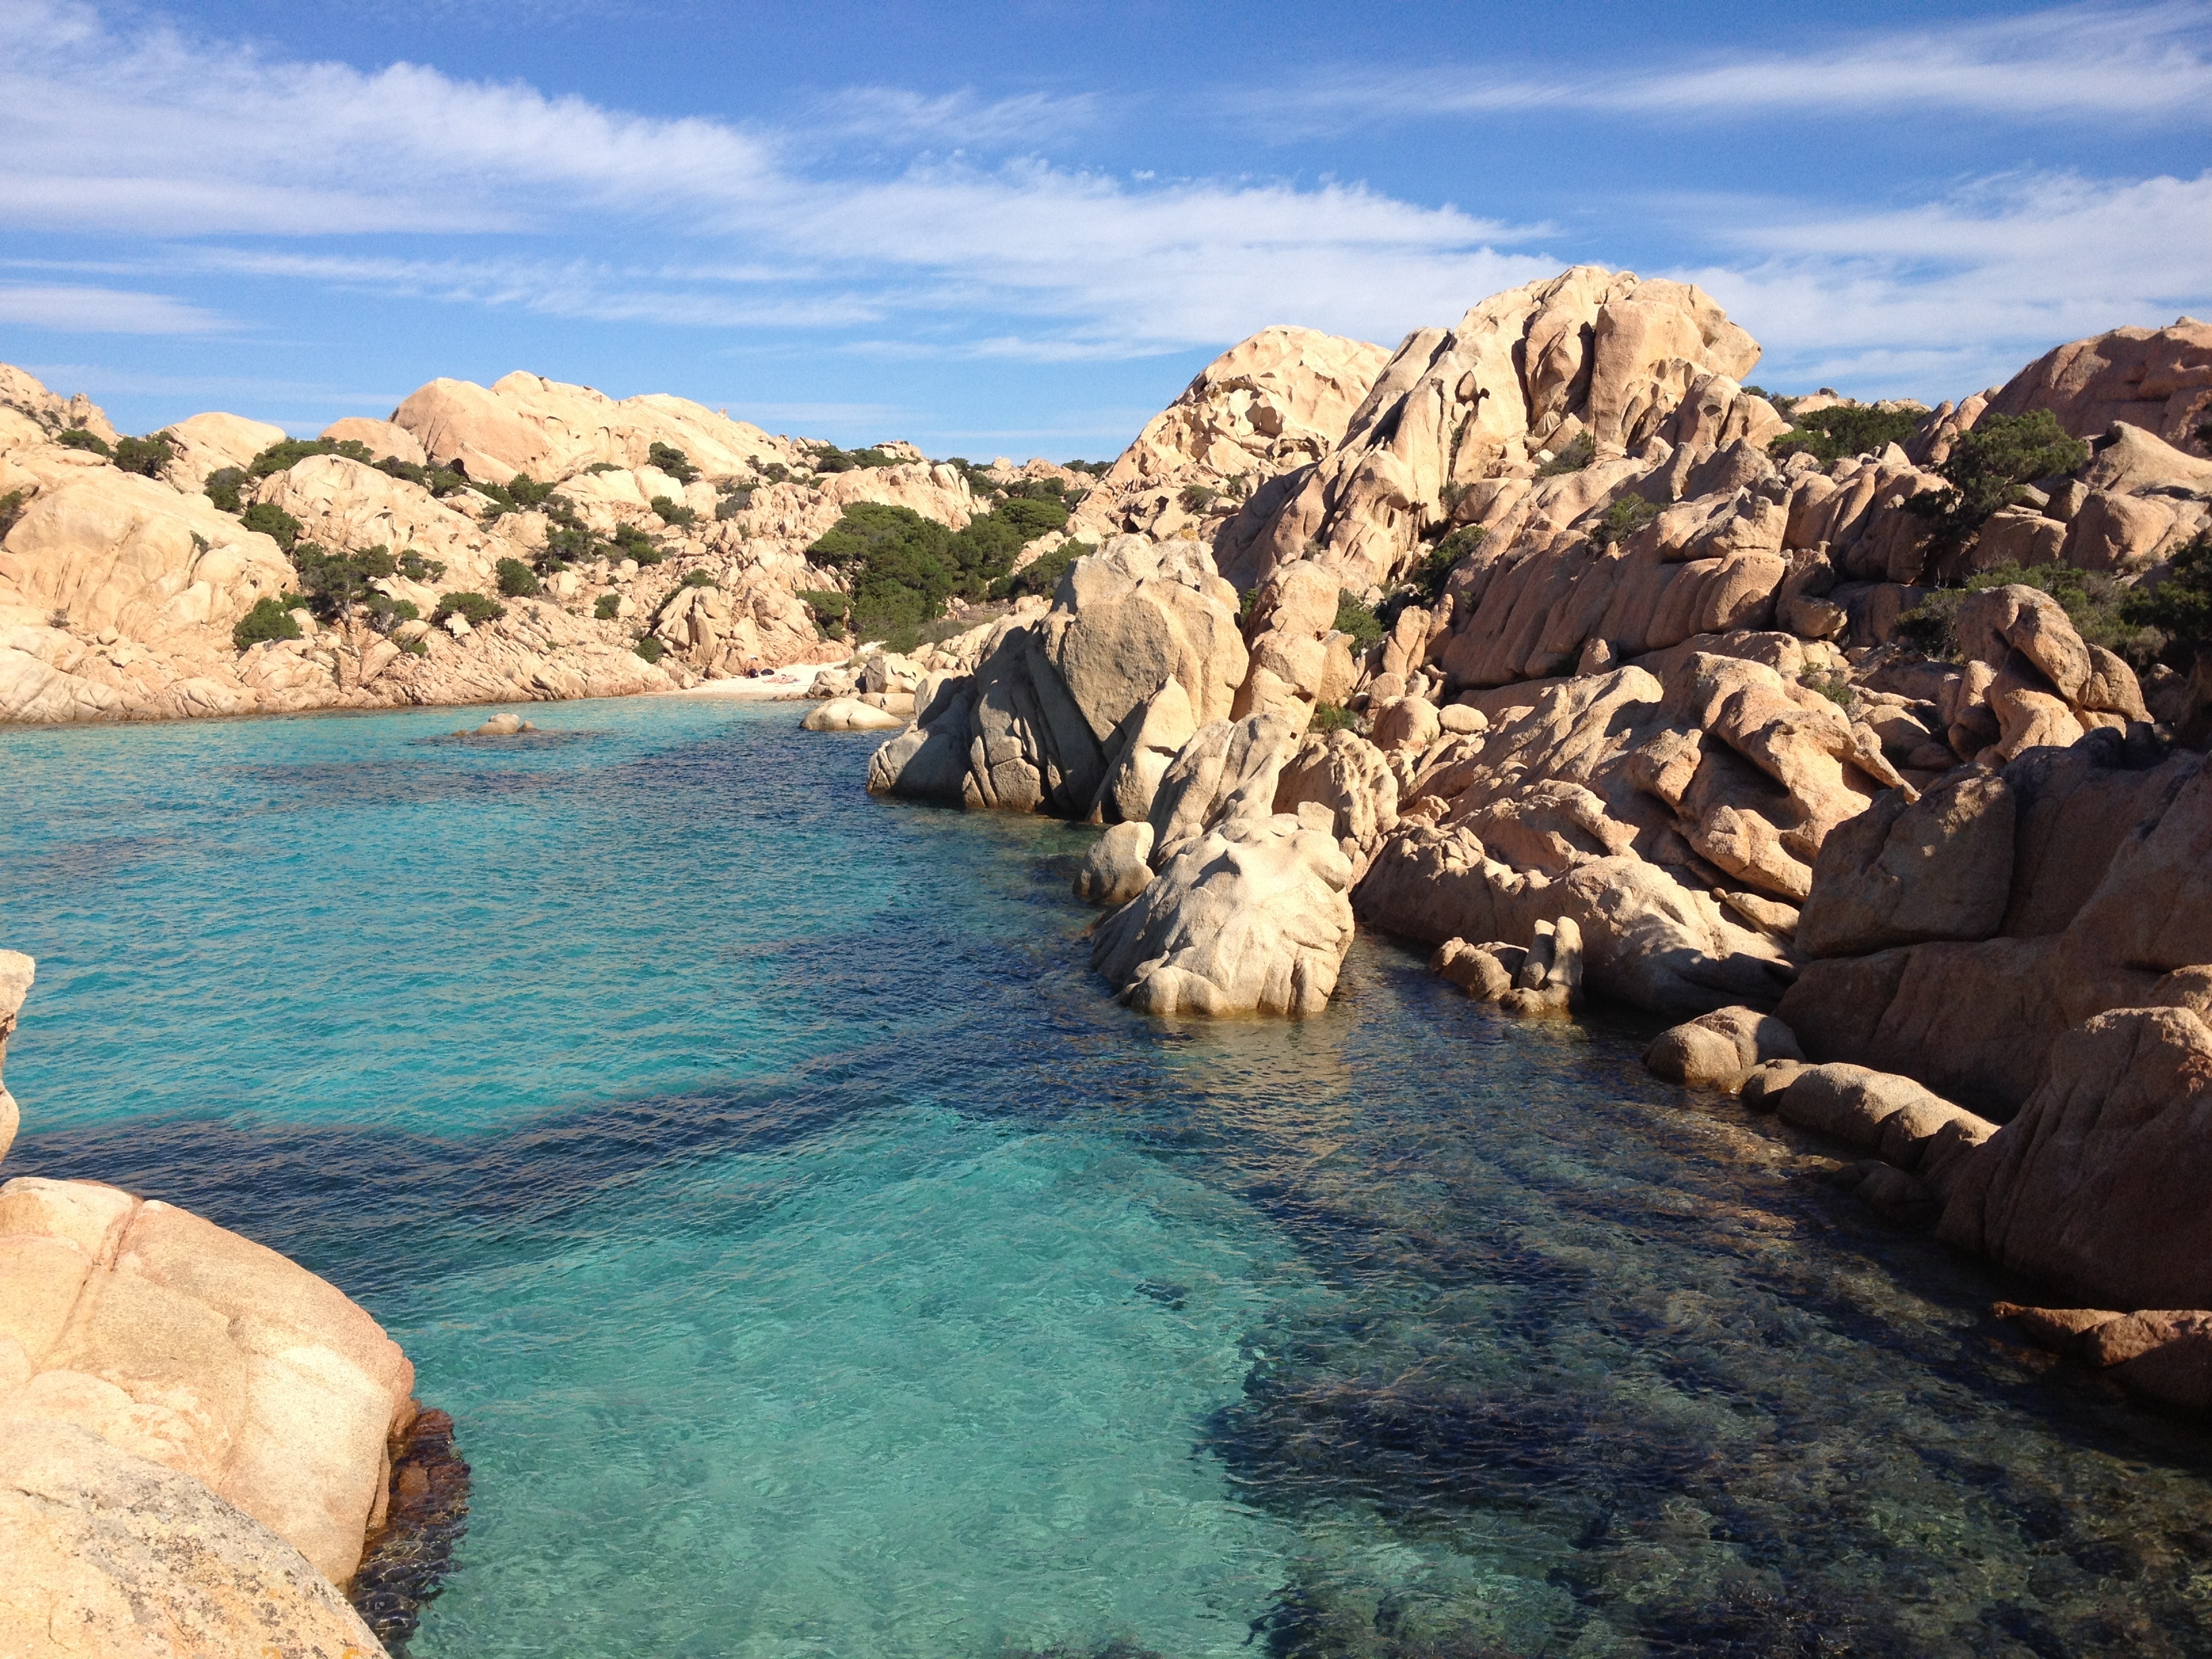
[1719,1050]
[110,1554]
[2098,1185]
[16,972]
[2107,906]
[2157,379]
[1250,917]
[1278,400]
[193,1348]
[850,715]
[1117,867]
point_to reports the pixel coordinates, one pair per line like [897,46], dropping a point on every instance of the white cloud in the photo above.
[75,310]
[1959,293]
[897,115]
[2128,63]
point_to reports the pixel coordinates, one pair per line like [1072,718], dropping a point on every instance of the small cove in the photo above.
[815,1261]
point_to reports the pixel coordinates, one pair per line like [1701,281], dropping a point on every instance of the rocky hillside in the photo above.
[526,540]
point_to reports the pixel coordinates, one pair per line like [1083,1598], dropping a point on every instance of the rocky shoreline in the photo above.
[1659,727]
[1544,641]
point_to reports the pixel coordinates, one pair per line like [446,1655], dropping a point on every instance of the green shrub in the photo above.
[1356,619]
[418,569]
[222,487]
[1096,469]
[287,453]
[472,607]
[1196,498]
[732,499]
[271,520]
[77,437]
[2179,608]
[146,457]
[270,619]
[517,580]
[648,648]
[672,461]
[775,472]
[597,467]
[336,582]
[607,607]
[827,458]
[11,508]
[1987,467]
[2098,608]
[415,647]
[700,578]
[1835,684]
[630,541]
[674,513]
[829,608]
[1327,717]
[1042,574]
[1622,519]
[438,480]
[1829,434]
[386,613]
[1580,452]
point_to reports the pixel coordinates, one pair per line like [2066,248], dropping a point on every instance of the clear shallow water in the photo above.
[818,1264]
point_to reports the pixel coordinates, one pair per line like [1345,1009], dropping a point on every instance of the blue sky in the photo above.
[1021,229]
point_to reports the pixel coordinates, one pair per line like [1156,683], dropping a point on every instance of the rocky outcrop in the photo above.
[1071,712]
[1249,917]
[193,1348]
[2105,906]
[2098,1185]
[2160,1354]
[2157,379]
[1457,416]
[1674,820]
[111,1554]
[1279,400]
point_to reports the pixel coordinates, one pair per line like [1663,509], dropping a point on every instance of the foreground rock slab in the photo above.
[110,1555]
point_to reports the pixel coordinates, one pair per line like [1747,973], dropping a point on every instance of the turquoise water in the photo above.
[817,1263]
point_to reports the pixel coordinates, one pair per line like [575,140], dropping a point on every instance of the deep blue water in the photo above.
[818,1262]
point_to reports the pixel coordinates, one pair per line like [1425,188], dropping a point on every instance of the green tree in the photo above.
[268,619]
[517,580]
[273,521]
[1829,434]
[2180,607]
[1988,466]
[472,607]
[148,456]
[223,486]
[672,461]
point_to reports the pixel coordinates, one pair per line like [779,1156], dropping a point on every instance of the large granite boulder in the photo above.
[103,1553]
[195,1349]
[15,974]
[1250,917]
[2099,1185]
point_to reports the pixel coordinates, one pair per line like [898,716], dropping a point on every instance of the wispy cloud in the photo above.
[959,119]
[1960,291]
[2130,63]
[76,310]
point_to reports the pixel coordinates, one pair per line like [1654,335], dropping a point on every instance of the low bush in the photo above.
[1580,451]
[418,569]
[2100,611]
[517,580]
[1096,469]
[732,499]
[649,647]
[1042,574]
[699,578]
[268,619]
[11,508]
[630,541]
[1622,519]
[1835,684]
[1356,619]
[287,453]
[674,513]
[223,487]
[1196,498]
[336,582]
[148,456]
[672,461]
[386,613]
[607,607]
[273,521]
[829,608]
[1423,584]
[2179,609]
[1987,467]
[438,480]
[1830,435]
[77,437]
[471,607]
[598,467]
[1328,717]
[827,458]
[415,647]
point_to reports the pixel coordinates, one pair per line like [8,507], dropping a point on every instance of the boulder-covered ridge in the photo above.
[121,585]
